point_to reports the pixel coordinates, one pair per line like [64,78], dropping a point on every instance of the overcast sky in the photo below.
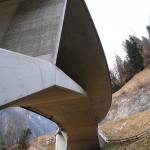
[116,19]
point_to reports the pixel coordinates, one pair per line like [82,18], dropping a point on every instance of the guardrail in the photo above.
[128,140]
[104,140]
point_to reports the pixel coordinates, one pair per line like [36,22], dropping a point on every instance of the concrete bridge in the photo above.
[52,62]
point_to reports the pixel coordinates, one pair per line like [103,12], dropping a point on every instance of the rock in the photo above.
[32,148]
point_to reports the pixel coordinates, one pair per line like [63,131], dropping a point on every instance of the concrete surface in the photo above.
[6,15]
[102,139]
[81,57]
[23,75]
[61,141]
[35,28]
[77,93]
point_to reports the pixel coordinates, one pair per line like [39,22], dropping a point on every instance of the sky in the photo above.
[115,20]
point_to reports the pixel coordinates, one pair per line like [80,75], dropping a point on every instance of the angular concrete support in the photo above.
[43,88]
[22,75]
[61,141]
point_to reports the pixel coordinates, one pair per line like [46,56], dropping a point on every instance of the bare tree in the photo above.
[12,124]
[122,71]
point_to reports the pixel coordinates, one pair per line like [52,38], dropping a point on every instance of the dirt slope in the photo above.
[132,98]
[127,127]
[44,142]
[139,81]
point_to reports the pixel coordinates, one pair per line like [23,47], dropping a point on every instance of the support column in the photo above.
[102,139]
[61,141]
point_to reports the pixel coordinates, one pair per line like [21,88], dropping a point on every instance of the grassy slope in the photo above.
[39,143]
[139,80]
[134,124]
[127,127]
[142,144]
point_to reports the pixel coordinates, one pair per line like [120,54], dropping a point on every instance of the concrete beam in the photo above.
[23,75]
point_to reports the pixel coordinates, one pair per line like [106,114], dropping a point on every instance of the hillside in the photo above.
[129,114]
[141,144]
[139,81]
[129,127]
[132,98]
[43,142]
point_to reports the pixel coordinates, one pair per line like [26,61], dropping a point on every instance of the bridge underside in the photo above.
[70,109]
[76,92]
[53,94]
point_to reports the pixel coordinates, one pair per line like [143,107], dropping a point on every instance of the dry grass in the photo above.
[138,81]
[127,127]
[43,142]
[135,124]
[142,144]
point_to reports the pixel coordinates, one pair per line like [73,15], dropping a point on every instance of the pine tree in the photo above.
[23,139]
[133,56]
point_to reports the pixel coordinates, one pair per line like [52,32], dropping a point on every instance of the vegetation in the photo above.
[15,124]
[137,58]
[44,142]
[144,46]
[134,60]
[22,144]
[141,144]
[114,81]
[13,129]
[127,127]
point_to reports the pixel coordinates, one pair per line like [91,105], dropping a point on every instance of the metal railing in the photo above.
[121,141]
[128,140]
